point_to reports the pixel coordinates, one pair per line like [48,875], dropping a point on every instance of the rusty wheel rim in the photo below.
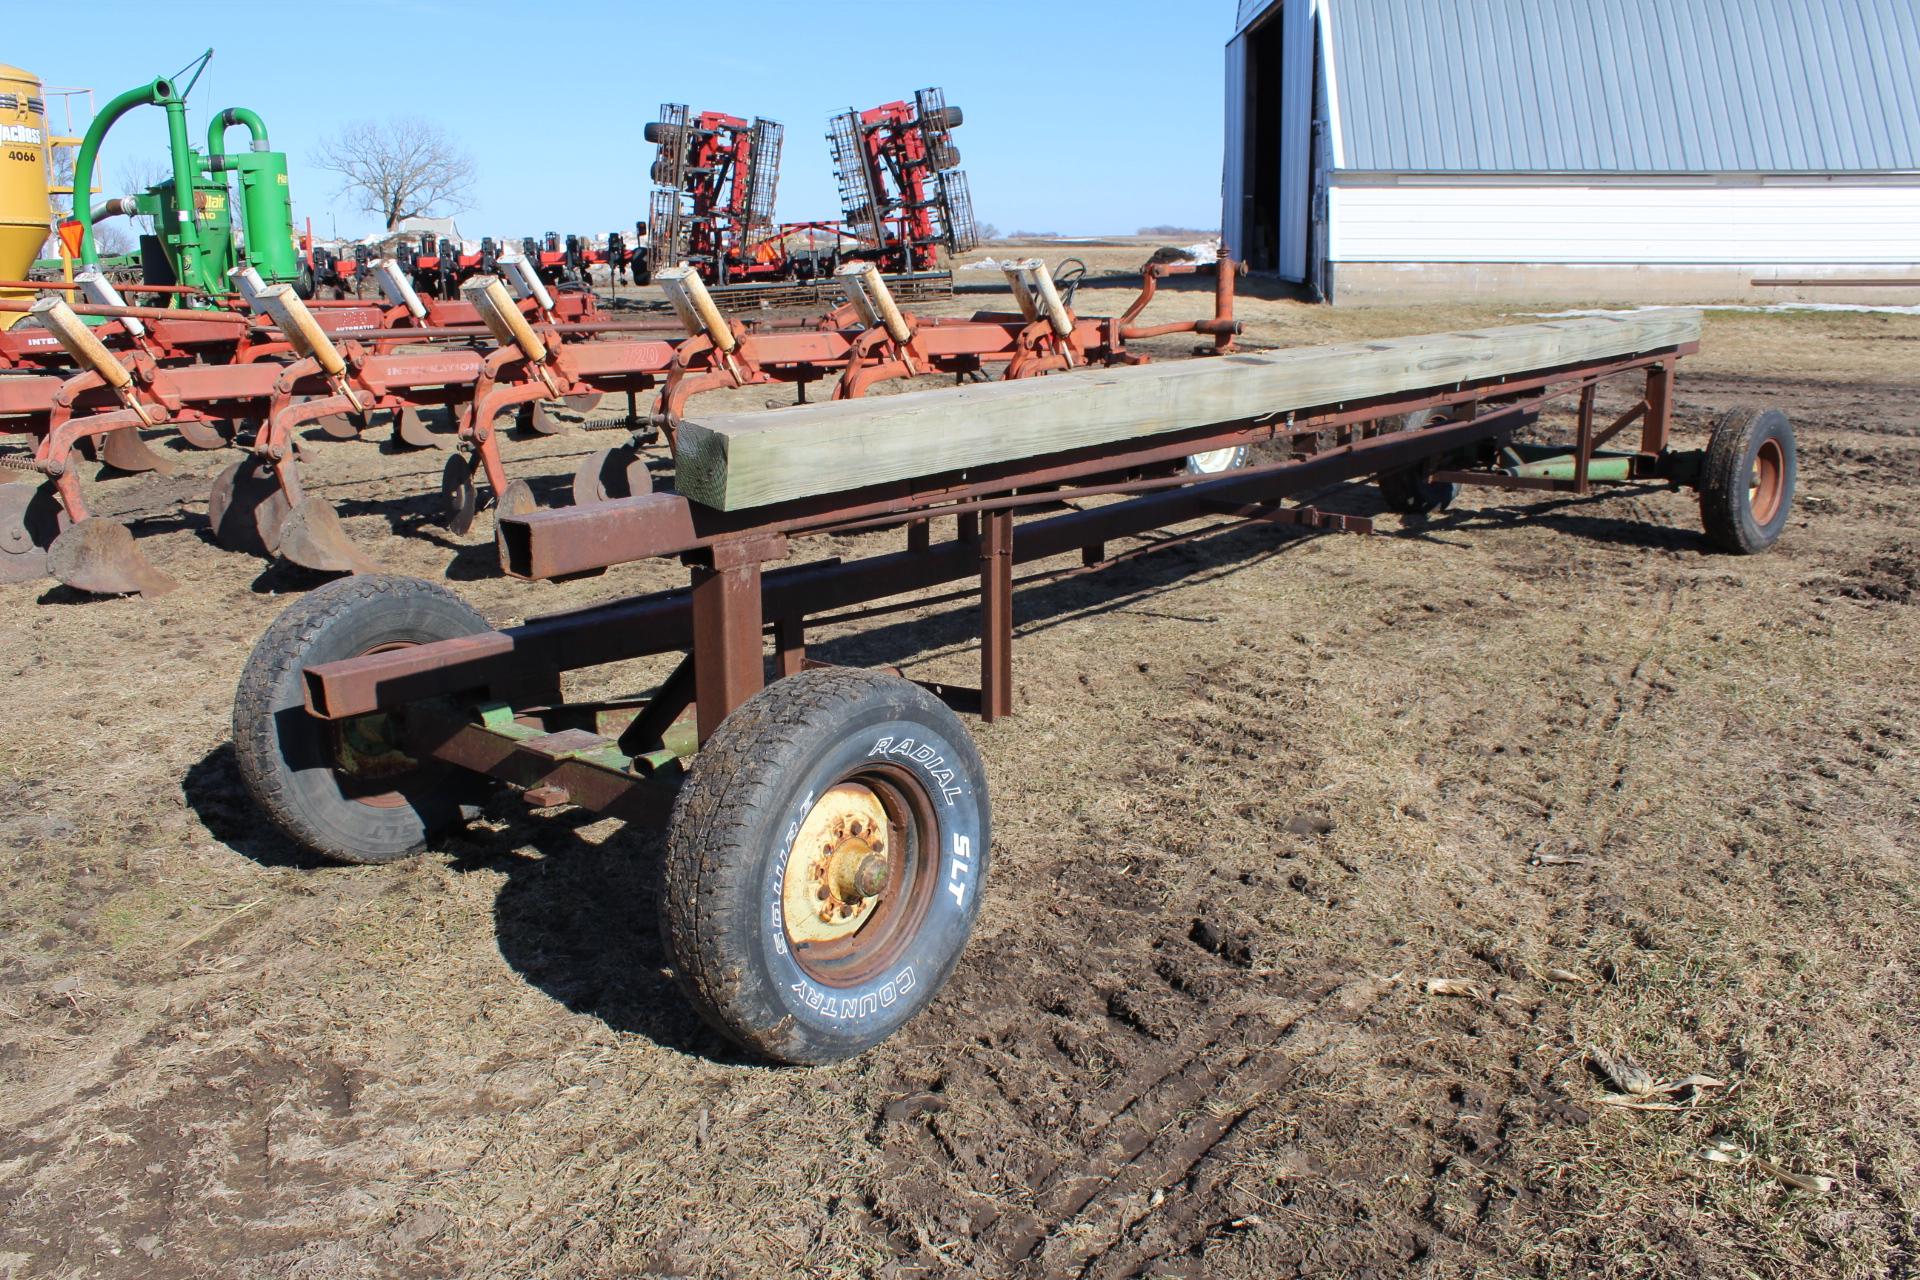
[1767,481]
[859,876]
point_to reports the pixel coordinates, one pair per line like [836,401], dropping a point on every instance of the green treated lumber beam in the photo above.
[733,461]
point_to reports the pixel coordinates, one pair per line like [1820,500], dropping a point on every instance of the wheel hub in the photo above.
[1766,481]
[839,867]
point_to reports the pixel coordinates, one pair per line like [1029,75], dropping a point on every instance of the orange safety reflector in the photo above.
[70,232]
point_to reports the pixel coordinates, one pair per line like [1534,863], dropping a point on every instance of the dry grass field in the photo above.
[1614,792]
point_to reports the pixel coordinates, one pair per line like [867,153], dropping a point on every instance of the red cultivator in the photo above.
[714,176]
[900,189]
[902,198]
[310,369]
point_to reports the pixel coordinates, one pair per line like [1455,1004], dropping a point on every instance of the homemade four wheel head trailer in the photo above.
[528,359]
[827,833]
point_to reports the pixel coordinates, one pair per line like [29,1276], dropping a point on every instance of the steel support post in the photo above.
[996,615]
[1583,450]
[729,665]
[789,646]
[1659,420]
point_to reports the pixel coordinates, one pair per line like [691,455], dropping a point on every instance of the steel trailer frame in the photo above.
[722,749]
[733,603]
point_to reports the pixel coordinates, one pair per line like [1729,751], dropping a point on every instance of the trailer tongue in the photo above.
[828,834]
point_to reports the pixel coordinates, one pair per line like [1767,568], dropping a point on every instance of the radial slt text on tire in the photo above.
[825,862]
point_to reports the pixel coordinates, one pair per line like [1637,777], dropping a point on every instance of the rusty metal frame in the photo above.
[738,597]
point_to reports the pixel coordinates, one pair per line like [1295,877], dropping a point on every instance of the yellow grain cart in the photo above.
[24,212]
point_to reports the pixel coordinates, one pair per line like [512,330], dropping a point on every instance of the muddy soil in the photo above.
[1609,789]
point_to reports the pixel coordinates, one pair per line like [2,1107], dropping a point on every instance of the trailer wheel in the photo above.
[1218,461]
[345,790]
[1411,491]
[1747,479]
[824,863]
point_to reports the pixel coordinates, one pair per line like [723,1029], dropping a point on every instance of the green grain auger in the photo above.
[194,241]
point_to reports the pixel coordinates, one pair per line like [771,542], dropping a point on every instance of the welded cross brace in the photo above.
[1557,469]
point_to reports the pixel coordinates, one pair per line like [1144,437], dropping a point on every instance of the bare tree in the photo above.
[110,240]
[397,169]
[133,176]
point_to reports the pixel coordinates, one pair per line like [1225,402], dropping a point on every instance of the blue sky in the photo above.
[1081,117]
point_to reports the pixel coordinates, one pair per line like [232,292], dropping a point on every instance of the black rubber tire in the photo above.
[284,754]
[1409,490]
[952,117]
[654,132]
[1726,479]
[734,822]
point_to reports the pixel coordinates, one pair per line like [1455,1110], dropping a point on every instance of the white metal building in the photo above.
[1657,150]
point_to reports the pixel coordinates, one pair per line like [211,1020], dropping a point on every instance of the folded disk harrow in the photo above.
[304,371]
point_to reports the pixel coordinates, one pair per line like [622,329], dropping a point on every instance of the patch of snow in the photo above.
[1769,308]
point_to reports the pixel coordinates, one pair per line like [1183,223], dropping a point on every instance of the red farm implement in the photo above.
[827,830]
[307,374]
[715,176]
[901,191]
[95,377]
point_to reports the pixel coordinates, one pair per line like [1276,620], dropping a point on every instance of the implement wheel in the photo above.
[1747,479]
[1411,491]
[346,789]
[825,862]
[1216,462]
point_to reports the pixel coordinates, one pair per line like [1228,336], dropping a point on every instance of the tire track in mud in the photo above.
[1192,1041]
[1131,1189]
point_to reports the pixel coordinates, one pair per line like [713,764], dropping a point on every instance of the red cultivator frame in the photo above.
[827,829]
[338,377]
[715,177]
[899,188]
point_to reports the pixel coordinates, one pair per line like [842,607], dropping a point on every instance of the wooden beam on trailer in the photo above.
[736,461]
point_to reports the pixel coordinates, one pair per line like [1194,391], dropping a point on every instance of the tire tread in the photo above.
[284,643]
[735,779]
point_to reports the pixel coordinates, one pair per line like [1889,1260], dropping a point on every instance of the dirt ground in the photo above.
[1261,792]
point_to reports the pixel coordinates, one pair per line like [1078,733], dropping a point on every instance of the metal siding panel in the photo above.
[1817,75]
[1531,106]
[1875,139]
[1904,55]
[1415,110]
[1842,91]
[1761,60]
[1700,86]
[1369,116]
[1789,105]
[1722,90]
[1608,121]
[1874,38]
[1499,147]
[1632,75]
[1664,68]
[1445,54]
[1554,133]
[1233,178]
[1603,222]
[1296,134]
[1584,102]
